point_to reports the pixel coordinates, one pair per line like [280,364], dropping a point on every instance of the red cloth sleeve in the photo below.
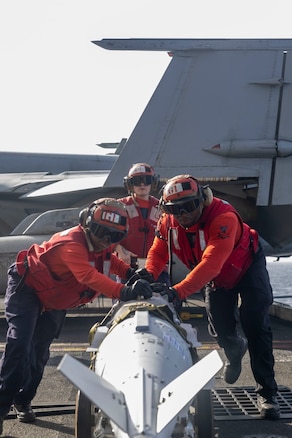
[72,259]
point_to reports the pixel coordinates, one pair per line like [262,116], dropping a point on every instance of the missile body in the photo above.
[143,378]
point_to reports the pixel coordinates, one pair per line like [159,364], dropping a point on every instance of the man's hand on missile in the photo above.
[130,274]
[137,274]
[141,288]
[164,290]
[145,275]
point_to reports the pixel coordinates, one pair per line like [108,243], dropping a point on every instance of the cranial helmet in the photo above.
[106,217]
[180,187]
[184,189]
[141,173]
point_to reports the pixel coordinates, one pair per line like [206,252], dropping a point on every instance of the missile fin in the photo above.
[173,399]
[96,389]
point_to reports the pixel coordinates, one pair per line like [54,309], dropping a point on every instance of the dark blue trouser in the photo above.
[29,336]
[256,297]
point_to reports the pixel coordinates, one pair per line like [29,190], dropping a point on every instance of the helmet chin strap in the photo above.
[89,237]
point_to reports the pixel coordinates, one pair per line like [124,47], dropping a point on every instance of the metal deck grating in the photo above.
[241,403]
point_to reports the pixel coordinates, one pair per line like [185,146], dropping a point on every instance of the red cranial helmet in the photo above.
[107,217]
[182,194]
[180,187]
[141,173]
[139,169]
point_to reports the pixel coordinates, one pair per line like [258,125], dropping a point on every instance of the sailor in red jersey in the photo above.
[69,270]
[226,261]
[143,215]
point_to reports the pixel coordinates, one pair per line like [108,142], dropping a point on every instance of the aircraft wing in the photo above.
[23,174]
[69,185]
[54,163]
[28,193]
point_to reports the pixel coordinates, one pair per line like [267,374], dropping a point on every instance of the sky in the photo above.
[59,92]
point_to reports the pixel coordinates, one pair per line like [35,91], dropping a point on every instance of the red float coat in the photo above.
[65,271]
[221,250]
[141,231]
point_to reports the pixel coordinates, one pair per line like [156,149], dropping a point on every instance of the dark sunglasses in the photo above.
[100,232]
[181,207]
[142,179]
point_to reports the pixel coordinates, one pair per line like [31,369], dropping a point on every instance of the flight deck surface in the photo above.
[234,406]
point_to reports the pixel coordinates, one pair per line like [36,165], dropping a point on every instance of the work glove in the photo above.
[145,275]
[142,273]
[130,273]
[166,291]
[140,288]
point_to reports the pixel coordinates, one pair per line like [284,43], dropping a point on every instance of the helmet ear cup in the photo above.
[82,216]
[208,195]
[88,220]
[128,185]
[90,212]
[85,215]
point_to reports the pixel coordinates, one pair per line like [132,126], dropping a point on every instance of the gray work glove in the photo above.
[141,288]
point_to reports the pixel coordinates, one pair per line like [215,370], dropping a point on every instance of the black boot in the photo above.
[232,367]
[268,407]
[24,413]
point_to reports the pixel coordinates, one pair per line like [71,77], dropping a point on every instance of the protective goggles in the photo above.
[141,179]
[100,232]
[176,209]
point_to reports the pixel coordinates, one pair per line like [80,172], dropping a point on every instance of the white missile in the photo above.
[252,148]
[142,376]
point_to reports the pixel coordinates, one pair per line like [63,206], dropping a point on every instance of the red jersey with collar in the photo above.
[141,230]
[65,273]
[218,248]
